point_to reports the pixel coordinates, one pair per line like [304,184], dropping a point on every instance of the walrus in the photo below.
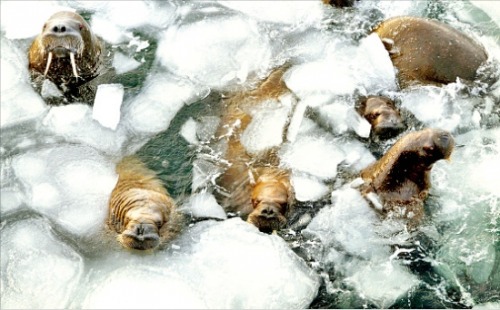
[381,113]
[401,178]
[68,54]
[140,208]
[340,3]
[426,51]
[254,185]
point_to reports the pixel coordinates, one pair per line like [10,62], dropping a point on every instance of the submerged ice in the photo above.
[58,163]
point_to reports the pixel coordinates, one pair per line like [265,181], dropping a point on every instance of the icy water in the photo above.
[175,59]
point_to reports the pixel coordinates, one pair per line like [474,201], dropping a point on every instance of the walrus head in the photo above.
[403,173]
[66,47]
[382,114]
[271,201]
[139,216]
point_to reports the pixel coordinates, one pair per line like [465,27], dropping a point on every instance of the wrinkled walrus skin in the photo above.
[68,54]
[401,178]
[426,51]
[140,209]
[254,186]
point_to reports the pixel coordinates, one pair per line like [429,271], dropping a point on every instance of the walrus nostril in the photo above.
[140,230]
[59,28]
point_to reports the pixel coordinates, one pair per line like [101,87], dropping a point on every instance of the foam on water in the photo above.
[38,270]
[348,231]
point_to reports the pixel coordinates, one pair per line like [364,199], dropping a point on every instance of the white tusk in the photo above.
[73,64]
[49,61]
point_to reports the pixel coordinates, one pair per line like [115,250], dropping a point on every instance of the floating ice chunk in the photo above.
[308,189]
[488,305]
[383,283]
[19,101]
[50,90]
[123,64]
[203,205]
[215,52]
[267,125]
[107,103]
[113,21]
[154,288]
[286,12]
[188,131]
[358,156]
[317,156]
[344,69]
[223,265]
[159,101]
[66,182]
[334,116]
[358,124]
[38,270]
[439,107]
[211,265]
[10,199]
[348,224]
[25,19]
[75,123]
[490,8]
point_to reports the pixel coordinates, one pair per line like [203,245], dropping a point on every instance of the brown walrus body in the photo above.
[68,54]
[382,115]
[140,209]
[254,186]
[429,52]
[401,178]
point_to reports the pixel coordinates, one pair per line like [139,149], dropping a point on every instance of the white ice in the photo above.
[107,103]
[349,230]
[286,12]
[344,69]
[68,184]
[38,270]
[217,52]
[75,123]
[203,205]
[467,188]
[19,102]
[213,265]
[267,126]
[123,63]
[160,99]
[317,156]
[308,188]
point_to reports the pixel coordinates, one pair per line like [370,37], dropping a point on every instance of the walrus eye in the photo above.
[81,26]
[158,224]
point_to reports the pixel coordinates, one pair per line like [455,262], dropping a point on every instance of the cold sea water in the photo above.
[175,60]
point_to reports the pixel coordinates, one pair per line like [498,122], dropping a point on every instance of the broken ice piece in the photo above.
[107,103]
[50,90]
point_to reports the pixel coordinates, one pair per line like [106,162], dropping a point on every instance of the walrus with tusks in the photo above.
[383,116]
[400,179]
[254,185]
[426,51]
[140,209]
[68,54]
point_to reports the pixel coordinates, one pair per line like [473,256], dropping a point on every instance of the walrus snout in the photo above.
[268,216]
[444,142]
[140,236]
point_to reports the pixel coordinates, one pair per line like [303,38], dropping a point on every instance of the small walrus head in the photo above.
[382,114]
[271,201]
[140,218]
[66,44]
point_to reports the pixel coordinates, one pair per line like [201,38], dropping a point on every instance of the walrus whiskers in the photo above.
[49,61]
[73,64]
